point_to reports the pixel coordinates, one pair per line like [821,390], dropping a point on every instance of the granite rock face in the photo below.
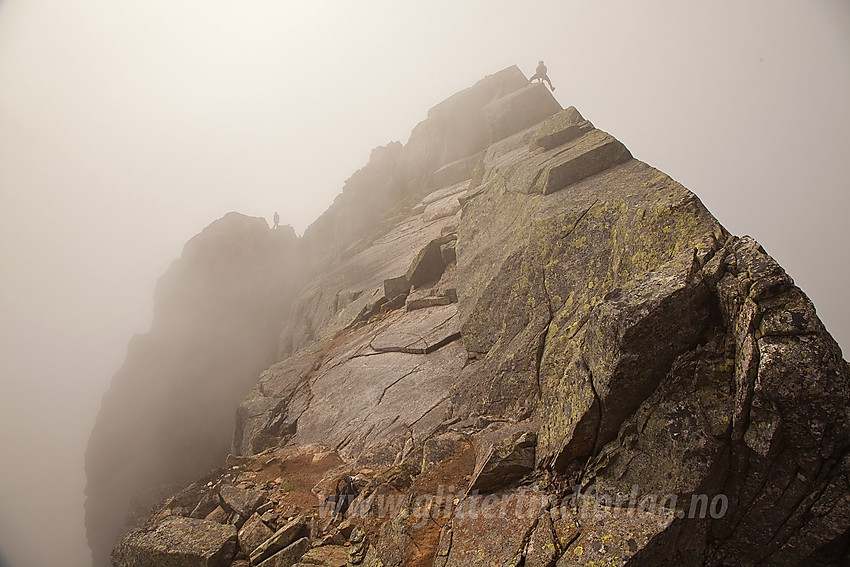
[579,366]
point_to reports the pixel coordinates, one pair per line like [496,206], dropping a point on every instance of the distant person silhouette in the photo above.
[276,219]
[540,75]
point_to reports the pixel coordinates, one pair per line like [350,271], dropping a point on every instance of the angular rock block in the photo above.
[282,539]
[519,110]
[560,129]
[207,504]
[633,340]
[252,534]
[506,463]
[241,501]
[288,556]
[327,555]
[393,287]
[428,301]
[427,266]
[177,542]
[596,151]
[219,515]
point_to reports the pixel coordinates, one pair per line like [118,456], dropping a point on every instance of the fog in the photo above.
[126,127]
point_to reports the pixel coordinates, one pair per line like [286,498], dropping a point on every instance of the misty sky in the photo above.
[128,126]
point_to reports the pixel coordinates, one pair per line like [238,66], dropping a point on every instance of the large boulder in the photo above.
[177,542]
[253,533]
[594,152]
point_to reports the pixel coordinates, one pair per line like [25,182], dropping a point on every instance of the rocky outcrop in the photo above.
[167,415]
[561,359]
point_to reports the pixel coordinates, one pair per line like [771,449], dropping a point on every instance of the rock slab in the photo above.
[177,542]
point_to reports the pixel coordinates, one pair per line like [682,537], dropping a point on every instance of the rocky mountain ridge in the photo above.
[528,348]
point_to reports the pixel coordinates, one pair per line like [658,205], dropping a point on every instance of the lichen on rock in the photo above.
[580,366]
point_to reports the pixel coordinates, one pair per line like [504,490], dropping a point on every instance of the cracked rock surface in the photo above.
[580,366]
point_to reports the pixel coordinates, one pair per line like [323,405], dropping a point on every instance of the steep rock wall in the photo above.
[167,416]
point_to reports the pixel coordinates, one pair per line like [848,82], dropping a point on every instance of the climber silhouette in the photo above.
[540,75]
[276,219]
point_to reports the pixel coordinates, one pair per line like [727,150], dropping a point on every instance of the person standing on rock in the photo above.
[540,75]
[276,219]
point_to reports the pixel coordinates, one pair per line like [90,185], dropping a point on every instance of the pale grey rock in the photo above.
[419,332]
[443,208]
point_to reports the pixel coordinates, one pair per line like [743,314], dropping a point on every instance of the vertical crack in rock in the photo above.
[561,549]
[554,534]
[522,551]
[598,429]
[541,338]
[541,347]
